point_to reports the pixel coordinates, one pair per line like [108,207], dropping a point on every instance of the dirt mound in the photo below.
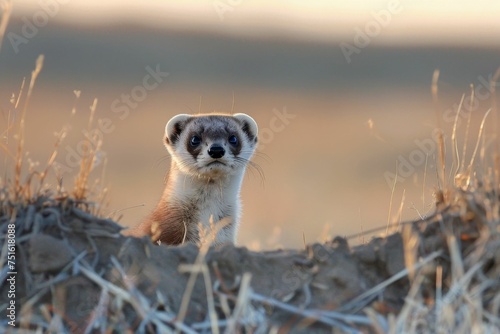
[78,273]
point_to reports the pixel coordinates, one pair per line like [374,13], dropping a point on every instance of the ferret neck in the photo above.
[191,185]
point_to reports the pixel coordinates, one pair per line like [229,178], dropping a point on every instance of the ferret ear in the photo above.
[174,128]
[248,125]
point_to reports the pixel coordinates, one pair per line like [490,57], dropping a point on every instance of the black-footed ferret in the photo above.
[209,154]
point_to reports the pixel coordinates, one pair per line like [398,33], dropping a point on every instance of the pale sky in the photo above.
[430,21]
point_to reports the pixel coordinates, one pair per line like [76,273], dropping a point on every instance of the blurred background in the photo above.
[341,91]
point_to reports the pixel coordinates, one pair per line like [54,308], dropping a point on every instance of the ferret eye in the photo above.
[195,141]
[233,140]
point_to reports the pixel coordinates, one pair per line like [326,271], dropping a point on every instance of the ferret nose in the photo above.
[216,151]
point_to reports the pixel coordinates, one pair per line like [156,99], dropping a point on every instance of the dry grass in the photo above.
[22,189]
[28,185]
[28,182]
[461,308]
[6,11]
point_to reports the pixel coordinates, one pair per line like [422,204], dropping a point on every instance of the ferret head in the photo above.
[211,145]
